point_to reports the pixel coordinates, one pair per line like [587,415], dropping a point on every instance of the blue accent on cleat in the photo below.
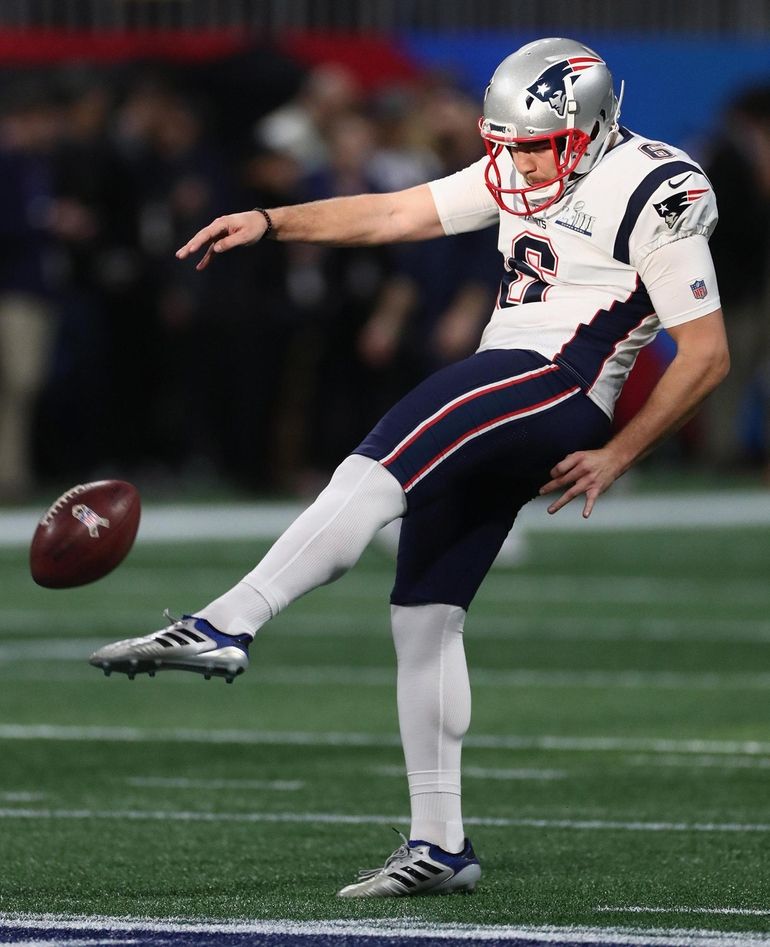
[222,640]
[456,861]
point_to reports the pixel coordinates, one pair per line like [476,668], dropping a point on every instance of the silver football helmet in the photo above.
[554,93]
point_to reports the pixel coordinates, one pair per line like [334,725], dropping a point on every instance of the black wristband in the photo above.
[269,219]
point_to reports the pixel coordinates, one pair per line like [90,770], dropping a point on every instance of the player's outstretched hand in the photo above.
[224,233]
[588,472]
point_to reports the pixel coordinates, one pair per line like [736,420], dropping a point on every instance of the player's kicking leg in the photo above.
[321,544]
[414,448]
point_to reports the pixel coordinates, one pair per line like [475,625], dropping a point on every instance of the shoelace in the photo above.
[401,852]
[170,618]
[173,624]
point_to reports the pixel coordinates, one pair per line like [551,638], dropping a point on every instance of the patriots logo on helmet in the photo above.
[672,208]
[549,86]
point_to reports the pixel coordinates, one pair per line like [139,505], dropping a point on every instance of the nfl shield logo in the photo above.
[698,288]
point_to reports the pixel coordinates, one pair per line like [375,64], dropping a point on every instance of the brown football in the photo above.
[85,534]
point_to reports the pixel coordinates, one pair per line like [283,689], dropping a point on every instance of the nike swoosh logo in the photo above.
[676,184]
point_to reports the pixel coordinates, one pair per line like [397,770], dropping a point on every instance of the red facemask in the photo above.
[573,144]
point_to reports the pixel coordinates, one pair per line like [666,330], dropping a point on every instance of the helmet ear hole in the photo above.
[595,130]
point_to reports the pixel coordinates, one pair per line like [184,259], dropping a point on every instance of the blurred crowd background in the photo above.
[120,138]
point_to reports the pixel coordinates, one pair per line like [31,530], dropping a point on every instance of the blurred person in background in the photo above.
[263,368]
[29,128]
[404,155]
[178,177]
[301,127]
[97,400]
[187,182]
[339,287]
[738,416]
[604,239]
[434,306]
[437,299]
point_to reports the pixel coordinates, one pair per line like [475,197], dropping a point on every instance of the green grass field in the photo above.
[618,758]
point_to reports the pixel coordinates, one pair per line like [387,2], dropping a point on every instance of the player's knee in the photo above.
[361,477]
[415,625]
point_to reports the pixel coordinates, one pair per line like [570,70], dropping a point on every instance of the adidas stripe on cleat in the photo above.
[417,868]
[187,644]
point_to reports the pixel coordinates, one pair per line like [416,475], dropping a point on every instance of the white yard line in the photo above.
[169,523]
[45,731]
[683,909]
[339,818]
[699,762]
[76,942]
[180,782]
[348,622]
[406,928]
[482,772]
[352,675]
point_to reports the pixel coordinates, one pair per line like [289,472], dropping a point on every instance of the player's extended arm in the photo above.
[340,221]
[702,361]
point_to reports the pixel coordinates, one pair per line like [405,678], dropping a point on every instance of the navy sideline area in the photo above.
[40,932]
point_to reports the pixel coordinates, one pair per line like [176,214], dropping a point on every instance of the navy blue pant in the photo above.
[471,445]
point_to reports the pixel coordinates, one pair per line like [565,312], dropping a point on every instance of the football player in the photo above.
[604,240]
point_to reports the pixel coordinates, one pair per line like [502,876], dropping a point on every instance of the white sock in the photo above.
[319,546]
[434,710]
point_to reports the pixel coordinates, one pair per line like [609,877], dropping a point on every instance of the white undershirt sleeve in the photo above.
[463,200]
[680,280]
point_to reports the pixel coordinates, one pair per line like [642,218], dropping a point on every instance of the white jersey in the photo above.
[589,281]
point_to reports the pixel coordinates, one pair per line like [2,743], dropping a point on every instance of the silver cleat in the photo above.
[187,644]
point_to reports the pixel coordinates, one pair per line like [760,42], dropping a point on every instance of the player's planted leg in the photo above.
[434,713]
[434,709]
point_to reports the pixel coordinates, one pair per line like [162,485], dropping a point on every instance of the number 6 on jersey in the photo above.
[532,257]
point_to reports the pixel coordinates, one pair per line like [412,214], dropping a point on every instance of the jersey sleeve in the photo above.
[463,200]
[680,280]
[664,235]
[680,204]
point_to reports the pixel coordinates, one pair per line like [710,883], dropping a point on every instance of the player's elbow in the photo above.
[719,357]
[702,347]
[723,366]
[716,363]
[707,365]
